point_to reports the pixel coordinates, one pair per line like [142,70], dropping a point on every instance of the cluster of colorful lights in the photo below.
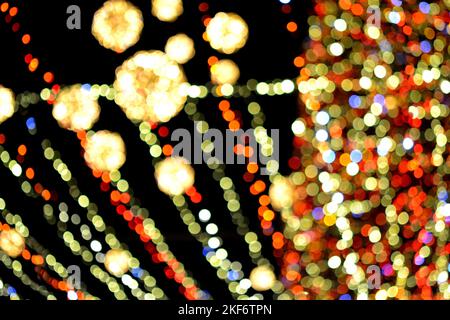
[370,168]
[369,182]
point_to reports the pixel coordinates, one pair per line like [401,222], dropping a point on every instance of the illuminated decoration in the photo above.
[262,278]
[224,71]
[227,32]
[105,151]
[117,262]
[75,108]
[12,242]
[370,155]
[7,103]
[180,48]
[117,25]
[174,176]
[167,10]
[149,87]
[281,193]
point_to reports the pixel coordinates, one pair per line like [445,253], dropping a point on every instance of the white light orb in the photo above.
[7,103]
[149,87]
[227,32]
[117,25]
[105,151]
[75,108]
[12,243]
[262,278]
[174,176]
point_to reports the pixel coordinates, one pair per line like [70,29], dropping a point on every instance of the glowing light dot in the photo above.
[281,193]
[340,25]
[12,243]
[117,25]
[167,10]
[7,103]
[105,151]
[394,17]
[76,108]
[334,262]
[408,143]
[329,156]
[149,87]
[380,71]
[262,278]
[365,83]
[352,169]
[96,246]
[72,295]
[225,72]
[322,117]
[356,156]
[174,176]
[180,48]
[117,262]
[204,215]
[298,127]
[322,135]
[336,49]
[227,32]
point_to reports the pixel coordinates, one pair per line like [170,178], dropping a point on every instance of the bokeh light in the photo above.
[12,242]
[7,103]
[117,262]
[180,48]
[262,278]
[105,151]
[167,10]
[224,71]
[117,25]
[75,108]
[149,87]
[227,32]
[174,176]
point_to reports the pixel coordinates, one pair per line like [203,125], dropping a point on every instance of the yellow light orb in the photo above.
[7,104]
[174,176]
[262,278]
[117,25]
[180,48]
[117,262]
[167,10]
[149,87]
[225,71]
[281,193]
[227,32]
[105,151]
[75,108]
[12,243]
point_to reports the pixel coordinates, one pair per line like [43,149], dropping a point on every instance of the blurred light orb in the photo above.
[224,71]
[180,48]
[262,278]
[76,109]
[117,262]
[227,32]
[12,243]
[167,10]
[7,103]
[105,151]
[281,193]
[174,176]
[117,25]
[149,87]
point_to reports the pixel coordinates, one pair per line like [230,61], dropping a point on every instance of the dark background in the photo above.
[74,56]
